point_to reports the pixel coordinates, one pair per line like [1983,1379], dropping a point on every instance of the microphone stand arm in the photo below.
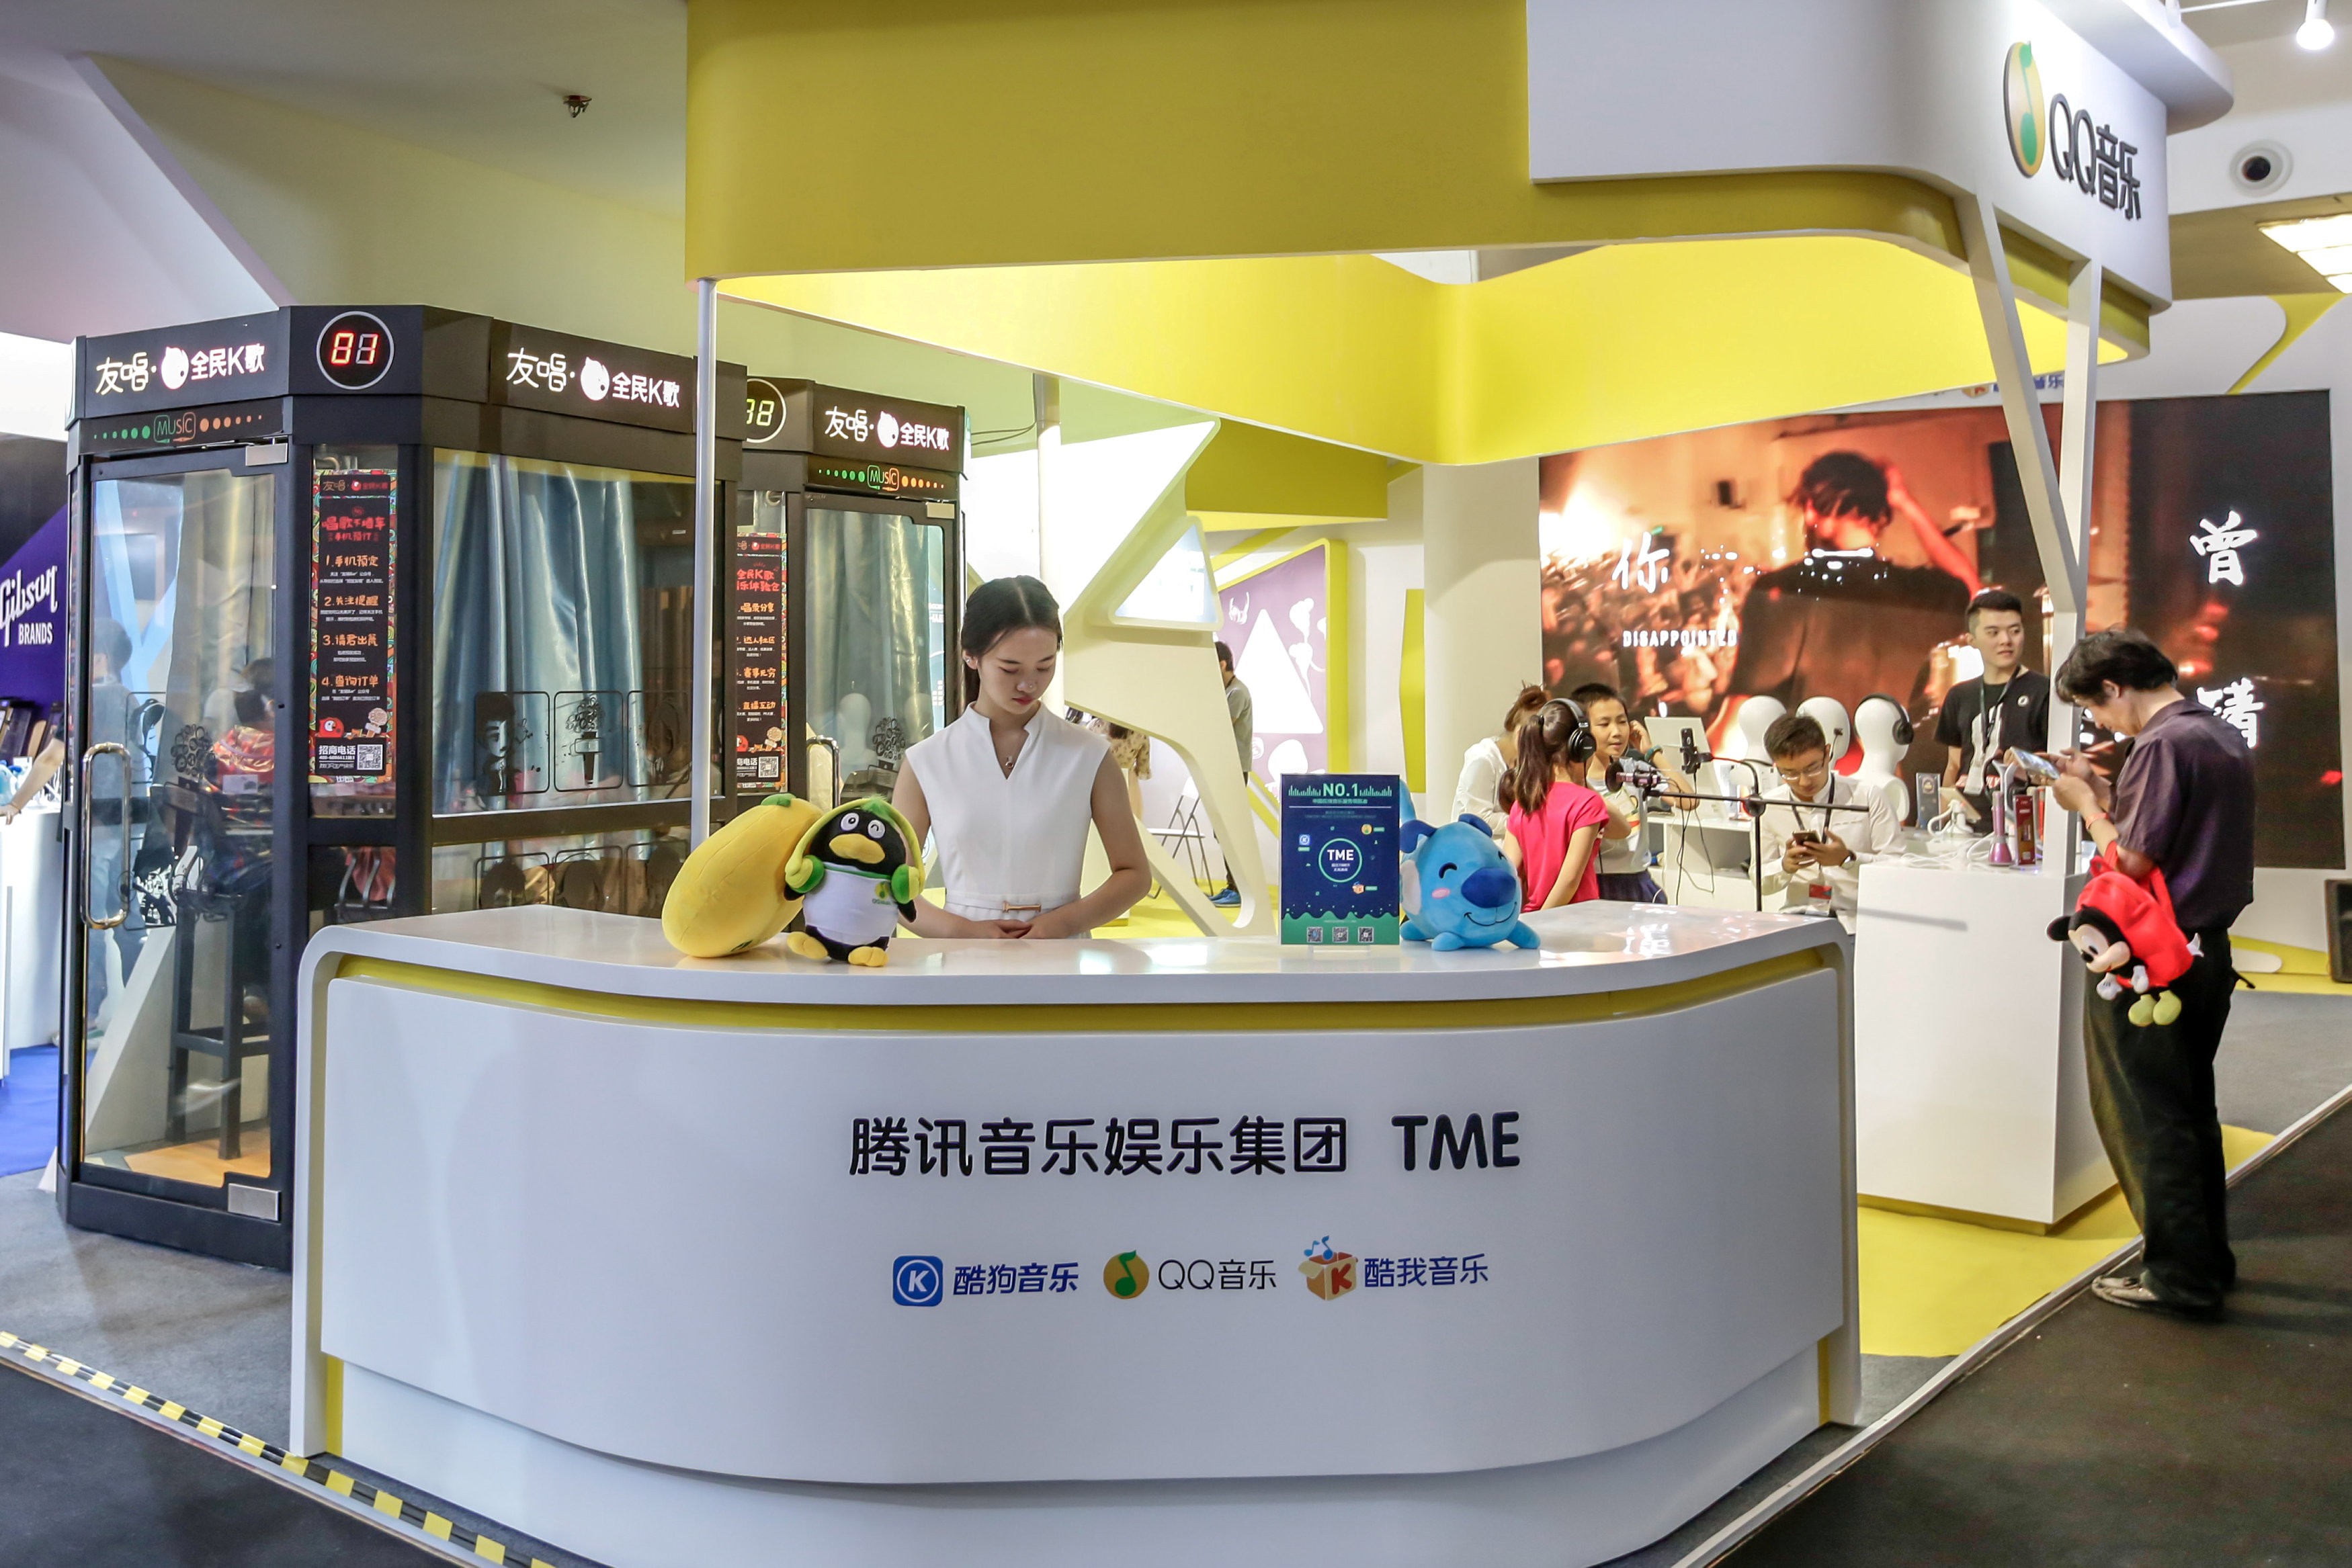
[1753,803]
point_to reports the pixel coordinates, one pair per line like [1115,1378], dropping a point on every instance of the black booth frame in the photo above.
[194,1218]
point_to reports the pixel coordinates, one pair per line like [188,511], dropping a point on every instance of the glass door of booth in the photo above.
[872,628]
[179,974]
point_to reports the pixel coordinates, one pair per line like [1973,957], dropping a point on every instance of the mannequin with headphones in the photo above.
[1884,730]
[1552,833]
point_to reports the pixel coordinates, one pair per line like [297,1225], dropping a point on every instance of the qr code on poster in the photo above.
[368,758]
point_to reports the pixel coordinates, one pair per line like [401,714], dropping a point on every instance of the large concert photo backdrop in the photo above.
[1835,554]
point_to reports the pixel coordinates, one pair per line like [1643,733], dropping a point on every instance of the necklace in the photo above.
[1005,759]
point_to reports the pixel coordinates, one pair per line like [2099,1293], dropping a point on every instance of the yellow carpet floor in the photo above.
[2301,969]
[1934,1287]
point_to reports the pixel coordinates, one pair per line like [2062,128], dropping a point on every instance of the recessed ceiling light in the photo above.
[2325,243]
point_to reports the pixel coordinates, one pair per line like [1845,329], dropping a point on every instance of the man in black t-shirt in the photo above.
[2006,706]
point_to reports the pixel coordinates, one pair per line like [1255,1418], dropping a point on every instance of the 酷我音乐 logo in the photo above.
[1127,1276]
[918,1281]
[1329,1274]
[2022,103]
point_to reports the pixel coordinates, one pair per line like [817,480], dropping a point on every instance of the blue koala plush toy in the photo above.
[1469,894]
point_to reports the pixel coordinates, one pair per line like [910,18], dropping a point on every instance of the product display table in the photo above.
[1970,1089]
[1171,1250]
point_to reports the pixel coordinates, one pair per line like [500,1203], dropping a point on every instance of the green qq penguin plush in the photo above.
[857,872]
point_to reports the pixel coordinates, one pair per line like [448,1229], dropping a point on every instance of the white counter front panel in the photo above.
[648,1239]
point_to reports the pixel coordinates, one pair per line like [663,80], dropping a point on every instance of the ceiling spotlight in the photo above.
[2316,32]
[577,102]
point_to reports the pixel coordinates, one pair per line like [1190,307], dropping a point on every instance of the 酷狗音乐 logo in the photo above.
[2021,103]
[1127,1276]
[917,1282]
[1329,1274]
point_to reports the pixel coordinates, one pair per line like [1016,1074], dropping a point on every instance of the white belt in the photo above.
[1011,908]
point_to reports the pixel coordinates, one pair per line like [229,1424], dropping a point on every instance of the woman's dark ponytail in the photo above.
[998,607]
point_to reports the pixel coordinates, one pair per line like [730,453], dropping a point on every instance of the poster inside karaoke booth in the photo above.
[1836,555]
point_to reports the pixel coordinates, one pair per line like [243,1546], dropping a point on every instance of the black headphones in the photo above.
[1902,724]
[1580,746]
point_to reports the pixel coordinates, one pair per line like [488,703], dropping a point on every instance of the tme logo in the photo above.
[1463,1144]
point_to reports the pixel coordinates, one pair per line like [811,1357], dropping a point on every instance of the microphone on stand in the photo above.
[1643,776]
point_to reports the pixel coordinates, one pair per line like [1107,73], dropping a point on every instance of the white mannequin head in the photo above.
[1831,715]
[1876,725]
[1755,716]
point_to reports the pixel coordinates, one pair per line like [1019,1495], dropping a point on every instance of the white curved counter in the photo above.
[997,1252]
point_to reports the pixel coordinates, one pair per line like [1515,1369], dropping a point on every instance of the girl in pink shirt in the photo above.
[1553,834]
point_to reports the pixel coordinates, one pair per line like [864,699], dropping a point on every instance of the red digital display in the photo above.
[354,351]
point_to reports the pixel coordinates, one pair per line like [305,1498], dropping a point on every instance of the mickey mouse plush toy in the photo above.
[2121,921]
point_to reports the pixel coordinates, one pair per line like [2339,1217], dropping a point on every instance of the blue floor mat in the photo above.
[28,1110]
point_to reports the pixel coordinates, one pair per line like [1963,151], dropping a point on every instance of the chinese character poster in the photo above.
[351,557]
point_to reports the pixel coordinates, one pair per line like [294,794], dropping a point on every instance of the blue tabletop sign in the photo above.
[1339,858]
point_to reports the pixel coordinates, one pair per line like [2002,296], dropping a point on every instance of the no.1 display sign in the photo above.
[1339,858]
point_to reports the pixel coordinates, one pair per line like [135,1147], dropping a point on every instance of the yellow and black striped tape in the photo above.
[389,1504]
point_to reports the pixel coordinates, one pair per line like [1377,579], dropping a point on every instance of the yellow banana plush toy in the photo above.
[730,896]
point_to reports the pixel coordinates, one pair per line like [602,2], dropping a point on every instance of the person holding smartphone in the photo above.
[2182,803]
[1814,853]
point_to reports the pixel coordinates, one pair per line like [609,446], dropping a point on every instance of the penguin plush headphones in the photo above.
[1903,733]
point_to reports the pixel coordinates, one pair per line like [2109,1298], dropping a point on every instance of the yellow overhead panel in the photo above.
[1055,130]
[1610,345]
[1025,131]
[1248,468]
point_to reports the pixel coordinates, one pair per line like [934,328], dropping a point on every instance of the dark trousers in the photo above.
[2152,1094]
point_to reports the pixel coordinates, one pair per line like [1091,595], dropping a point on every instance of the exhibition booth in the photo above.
[655,1256]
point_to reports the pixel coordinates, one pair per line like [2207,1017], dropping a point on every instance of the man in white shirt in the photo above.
[1812,855]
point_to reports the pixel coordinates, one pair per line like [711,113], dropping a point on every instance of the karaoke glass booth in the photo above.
[382,611]
[847,525]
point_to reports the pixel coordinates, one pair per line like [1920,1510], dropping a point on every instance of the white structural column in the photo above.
[1481,608]
[2057,493]
[2078,436]
[2014,372]
[706,547]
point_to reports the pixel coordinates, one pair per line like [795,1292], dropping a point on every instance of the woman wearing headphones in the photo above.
[1553,833]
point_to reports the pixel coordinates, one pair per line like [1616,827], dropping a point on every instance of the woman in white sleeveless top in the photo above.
[1009,788]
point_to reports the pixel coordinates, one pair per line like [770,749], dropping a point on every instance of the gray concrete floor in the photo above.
[2283,1056]
[214,1336]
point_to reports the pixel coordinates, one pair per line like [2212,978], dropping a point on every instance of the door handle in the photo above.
[123,911]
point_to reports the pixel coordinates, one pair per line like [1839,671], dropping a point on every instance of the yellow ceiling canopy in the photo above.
[1178,199]
[1610,345]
